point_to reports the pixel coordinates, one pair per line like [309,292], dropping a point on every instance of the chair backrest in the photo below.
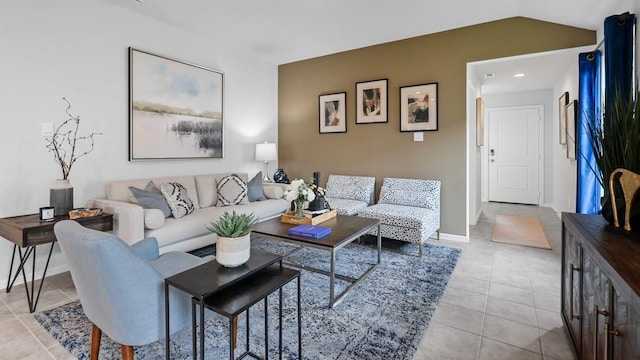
[119,290]
[351,187]
[411,192]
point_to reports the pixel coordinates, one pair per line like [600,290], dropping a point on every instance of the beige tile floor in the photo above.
[503,302]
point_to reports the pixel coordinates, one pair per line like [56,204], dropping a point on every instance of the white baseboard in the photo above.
[50,272]
[452,237]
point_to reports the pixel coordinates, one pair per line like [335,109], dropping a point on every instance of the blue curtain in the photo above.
[618,77]
[618,56]
[588,117]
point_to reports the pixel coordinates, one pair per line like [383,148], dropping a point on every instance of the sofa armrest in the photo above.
[128,219]
[274,190]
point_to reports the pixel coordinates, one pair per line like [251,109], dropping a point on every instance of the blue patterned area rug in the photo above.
[384,317]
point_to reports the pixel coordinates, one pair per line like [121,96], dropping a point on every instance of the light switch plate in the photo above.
[418,136]
[47,129]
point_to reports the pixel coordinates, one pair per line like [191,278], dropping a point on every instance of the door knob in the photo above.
[492,152]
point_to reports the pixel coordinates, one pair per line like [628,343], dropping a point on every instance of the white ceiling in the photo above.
[284,31]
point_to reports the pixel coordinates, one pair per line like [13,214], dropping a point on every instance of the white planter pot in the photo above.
[232,252]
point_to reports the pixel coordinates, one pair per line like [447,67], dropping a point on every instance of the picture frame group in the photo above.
[418,107]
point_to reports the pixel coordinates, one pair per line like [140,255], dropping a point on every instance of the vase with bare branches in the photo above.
[67,146]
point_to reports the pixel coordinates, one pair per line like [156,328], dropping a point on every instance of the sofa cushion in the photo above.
[232,190]
[255,192]
[119,189]
[177,198]
[194,225]
[153,218]
[151,198]
[346,206]
[404,216]
[207,187]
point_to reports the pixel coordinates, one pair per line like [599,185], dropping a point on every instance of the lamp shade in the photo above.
[266,152]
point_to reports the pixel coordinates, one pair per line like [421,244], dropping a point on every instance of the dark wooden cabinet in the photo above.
[600,289]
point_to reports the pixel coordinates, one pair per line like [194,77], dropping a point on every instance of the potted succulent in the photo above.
[616,145]
[233,244]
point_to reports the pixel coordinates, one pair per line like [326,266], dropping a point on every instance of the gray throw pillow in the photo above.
[151,198]
[255,191]
[178,199]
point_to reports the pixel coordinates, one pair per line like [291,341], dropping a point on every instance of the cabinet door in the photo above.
[571,285]
[625,333]
[596,292]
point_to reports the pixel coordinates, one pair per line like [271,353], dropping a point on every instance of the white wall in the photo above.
[78,49]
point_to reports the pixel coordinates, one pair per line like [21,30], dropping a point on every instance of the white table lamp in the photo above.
[266,152]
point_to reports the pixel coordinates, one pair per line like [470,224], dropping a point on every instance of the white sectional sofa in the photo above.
[133,223]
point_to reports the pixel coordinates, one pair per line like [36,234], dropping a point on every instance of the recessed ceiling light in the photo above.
[489,75]
[519,75]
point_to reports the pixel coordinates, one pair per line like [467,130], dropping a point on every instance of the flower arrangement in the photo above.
[299,190]
[64,143]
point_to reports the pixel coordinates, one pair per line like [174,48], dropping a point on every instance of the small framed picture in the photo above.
[371,102]
[47,213]
[333,113]
[572,110]
[563,101]
[479,122]
[419,107]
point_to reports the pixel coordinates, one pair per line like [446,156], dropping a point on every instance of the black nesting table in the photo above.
[231,291]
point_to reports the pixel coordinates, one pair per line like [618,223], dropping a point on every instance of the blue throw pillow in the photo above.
[255,191]
[151,198]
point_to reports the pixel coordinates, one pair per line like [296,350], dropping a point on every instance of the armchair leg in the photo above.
[420,251]
[127,352]
[96,335]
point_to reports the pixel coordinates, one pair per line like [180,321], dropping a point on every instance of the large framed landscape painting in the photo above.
[176,109]
[419,107]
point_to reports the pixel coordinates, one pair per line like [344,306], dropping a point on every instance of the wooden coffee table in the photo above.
[345,229]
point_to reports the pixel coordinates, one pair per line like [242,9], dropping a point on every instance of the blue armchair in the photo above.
[121,287]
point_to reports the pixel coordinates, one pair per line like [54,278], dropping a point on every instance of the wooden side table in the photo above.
[27,232]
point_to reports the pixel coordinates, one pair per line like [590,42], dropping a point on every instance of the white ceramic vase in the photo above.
[232,252]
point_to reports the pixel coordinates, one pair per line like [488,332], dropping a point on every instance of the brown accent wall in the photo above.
[381,150]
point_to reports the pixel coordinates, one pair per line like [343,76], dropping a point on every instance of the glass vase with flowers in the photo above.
[299,192]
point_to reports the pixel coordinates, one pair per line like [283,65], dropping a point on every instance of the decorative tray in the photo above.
[84,212]
[289,218]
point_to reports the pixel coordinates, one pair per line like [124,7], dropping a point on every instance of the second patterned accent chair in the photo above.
[408,210]
[349,195]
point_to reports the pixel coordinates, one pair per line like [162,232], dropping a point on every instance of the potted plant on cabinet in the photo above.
[234,233]
[616,145]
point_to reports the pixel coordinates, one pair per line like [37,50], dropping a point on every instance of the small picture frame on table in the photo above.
[572,110]
[563,101]
[333,113]
[47,213]
[371,102]
[419,107]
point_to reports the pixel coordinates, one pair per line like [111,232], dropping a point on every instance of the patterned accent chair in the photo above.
[349,195]
[408,210]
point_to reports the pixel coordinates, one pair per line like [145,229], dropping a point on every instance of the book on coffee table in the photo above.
[310,231]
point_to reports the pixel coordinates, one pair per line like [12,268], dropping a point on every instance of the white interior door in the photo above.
[514,155]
